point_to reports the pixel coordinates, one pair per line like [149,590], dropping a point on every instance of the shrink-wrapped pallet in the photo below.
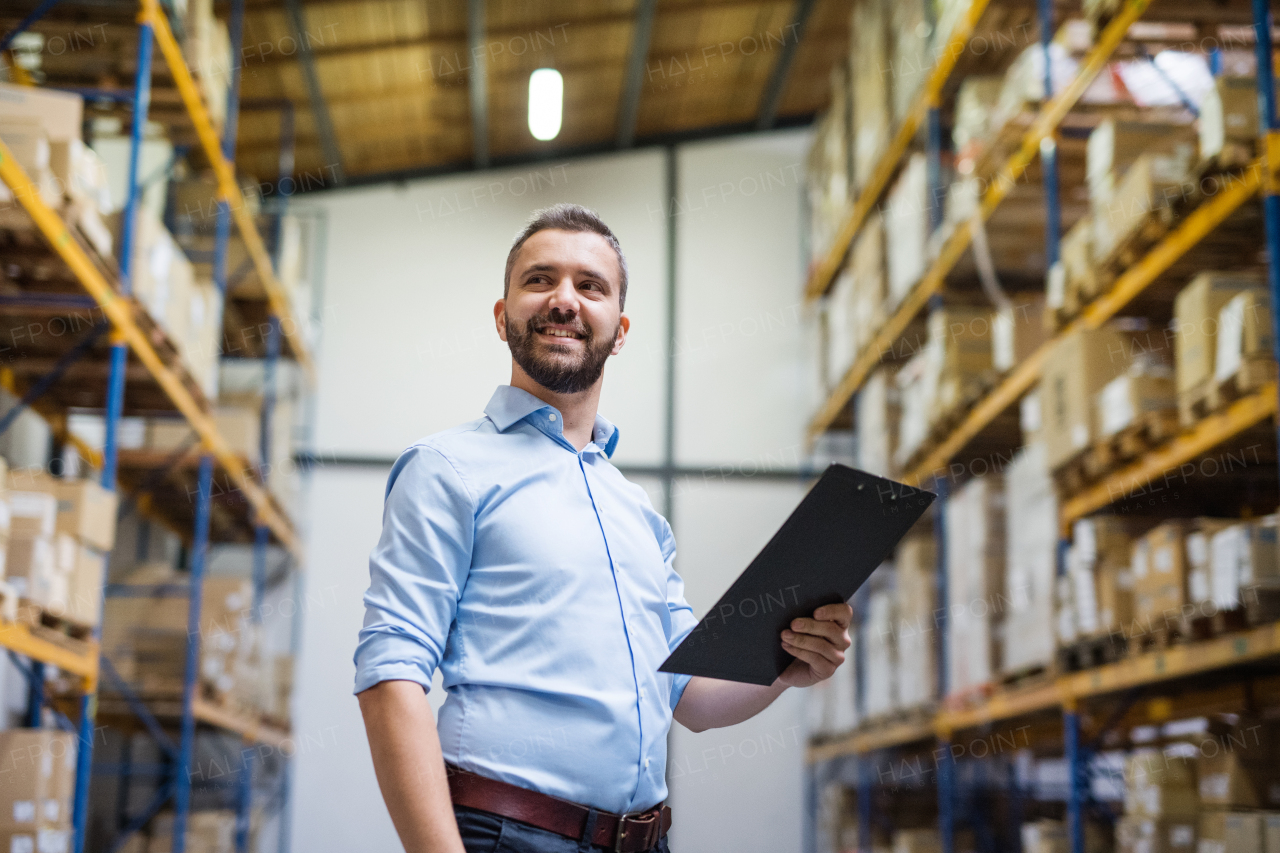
[976,602]
[915,564]
[1030,567]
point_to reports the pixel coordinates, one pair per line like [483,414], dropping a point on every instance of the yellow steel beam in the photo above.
[228,189]
[251,728]
[1047,119]
[869,740]
[19,638]
[119,312]
[1167,460]
[826,270]
[1175,662]
[1003,705]
[1204,219]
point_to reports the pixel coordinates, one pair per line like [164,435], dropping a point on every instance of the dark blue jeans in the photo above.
[483,832]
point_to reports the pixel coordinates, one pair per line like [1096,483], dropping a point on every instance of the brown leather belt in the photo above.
[629,833]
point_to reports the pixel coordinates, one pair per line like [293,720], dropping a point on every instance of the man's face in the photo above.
[561,316]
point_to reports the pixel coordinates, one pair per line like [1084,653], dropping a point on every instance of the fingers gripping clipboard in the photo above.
[843,529]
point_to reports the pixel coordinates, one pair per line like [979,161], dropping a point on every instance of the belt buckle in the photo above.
[650,821]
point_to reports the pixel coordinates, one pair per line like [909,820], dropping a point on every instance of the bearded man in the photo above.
[516,557]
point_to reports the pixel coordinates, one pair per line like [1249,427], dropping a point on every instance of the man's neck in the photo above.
[578,410]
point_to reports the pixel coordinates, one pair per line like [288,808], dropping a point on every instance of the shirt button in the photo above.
[646,764]
[551,417]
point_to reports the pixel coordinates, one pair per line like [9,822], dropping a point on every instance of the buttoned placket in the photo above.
[554,429]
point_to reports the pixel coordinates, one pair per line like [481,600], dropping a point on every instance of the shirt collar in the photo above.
[510,405]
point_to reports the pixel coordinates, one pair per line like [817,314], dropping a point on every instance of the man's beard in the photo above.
[562,373]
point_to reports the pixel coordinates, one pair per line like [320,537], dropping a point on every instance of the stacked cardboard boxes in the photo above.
[828,164]
[42,129]
[916,613]
[37,778]
[1099,579]
[1160,575]
[211,831]
[1197,323]
[146,639]
[906,228]
[1244,567]
[1161,804]
[62,531]
[1228,123]
[1077,368]
[976,600]
[1030,567]
[868,60]
[877,422]
[881,682]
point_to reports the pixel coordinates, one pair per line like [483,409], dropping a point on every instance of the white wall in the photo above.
[411,275]
[408,349]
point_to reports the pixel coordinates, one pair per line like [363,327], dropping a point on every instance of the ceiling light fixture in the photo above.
[546,103]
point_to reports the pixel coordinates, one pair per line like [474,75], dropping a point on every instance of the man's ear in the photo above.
[500,318]
[624,326]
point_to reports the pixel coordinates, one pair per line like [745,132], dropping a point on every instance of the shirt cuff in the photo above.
[678,684]
[386,657]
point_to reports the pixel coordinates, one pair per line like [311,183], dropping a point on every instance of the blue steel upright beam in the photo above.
[1048,148]
[1074,754]
[1267,126]
[115,399]
[186,747]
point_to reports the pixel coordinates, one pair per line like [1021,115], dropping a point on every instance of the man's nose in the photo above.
[564,297]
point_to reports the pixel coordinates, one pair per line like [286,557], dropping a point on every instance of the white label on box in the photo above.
[24,811]
[1230,338]
[22,844]
[1079,435]
[53,841]
[1214,786]
[1163,560]
[51,810]
[1198,582]
[1198,548]
[1181,835]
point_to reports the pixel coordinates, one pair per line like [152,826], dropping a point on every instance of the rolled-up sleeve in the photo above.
[416,572]
[682,619]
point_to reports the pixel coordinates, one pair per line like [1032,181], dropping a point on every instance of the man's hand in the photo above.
[818,644]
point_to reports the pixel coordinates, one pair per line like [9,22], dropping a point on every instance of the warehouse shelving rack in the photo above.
[165,379]
[1232,655]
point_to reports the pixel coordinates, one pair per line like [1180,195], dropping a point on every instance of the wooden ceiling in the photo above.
[396,76]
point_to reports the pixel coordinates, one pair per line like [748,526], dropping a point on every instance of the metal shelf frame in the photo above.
[1064,695]
[126,336]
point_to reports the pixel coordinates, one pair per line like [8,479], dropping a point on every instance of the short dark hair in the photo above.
[567,217]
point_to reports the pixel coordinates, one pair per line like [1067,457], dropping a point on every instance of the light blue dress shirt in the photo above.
[540,581]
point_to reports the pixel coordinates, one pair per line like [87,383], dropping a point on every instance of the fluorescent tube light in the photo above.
[546,103]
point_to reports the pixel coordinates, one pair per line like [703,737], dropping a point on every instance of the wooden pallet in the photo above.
[1193,403]
[1252,374]
[1131,248]
[72,636]
[1149,431]
[1092,652]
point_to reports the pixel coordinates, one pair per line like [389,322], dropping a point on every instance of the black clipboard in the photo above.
[843,529]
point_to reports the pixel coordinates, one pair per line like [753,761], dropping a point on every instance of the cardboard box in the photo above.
[84,586]
[31,513]
[1018,331]
[31,568]
[1243,832]
[1076,369]
[1232,780]
[1229,120]
[960,354]
[1149,189]
[1196,314]
[1156,835]
[60,114]
[867,266]
[1243,557]
[906,228]
[881,681]
[1045,836]
[1271,833]
[1211,835]
[871,117]
[915,607]
[85,509]
[1126,400]
[976,602]
[915,401]
[876,421]
[1243,334]
[1114,146]
[1160,573]
[1079,269]
[34,793]
[1031,560]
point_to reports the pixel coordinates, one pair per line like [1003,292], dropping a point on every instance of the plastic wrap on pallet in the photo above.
[1030,567]
[881,676]
[976,549]
[877,422]
[915,564]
